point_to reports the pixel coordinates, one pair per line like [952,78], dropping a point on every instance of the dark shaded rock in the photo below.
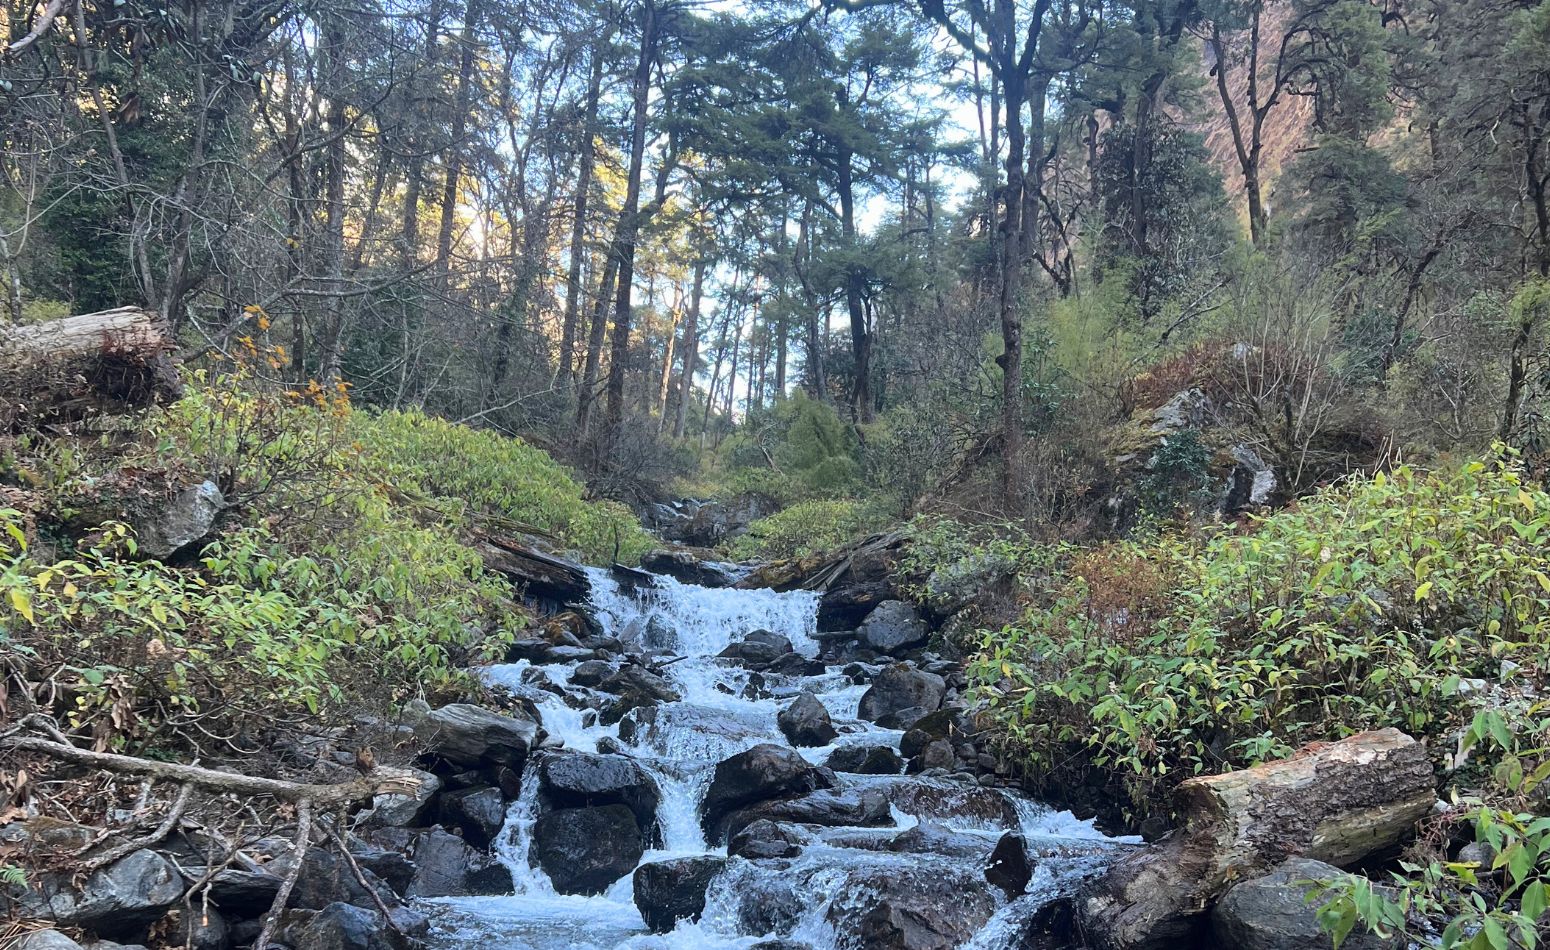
[392,866]
[591,673]
[892,627]
[582,779]
[689,568]
[636,687]
[866,760]
[780,943]
[766,839]
[794,664]
[929,837]
[938,754]
[1010,866]
[859,808]
[766,771]
[900,687]
[758,649]
[342,926]
[244,893]
[902,718]
[673,890]
[584,850]
[475,737]
[935,800]
[47,940]
[477,813]
[542,652]
[444,866]
[118,900]
[1273,913]
[806,722]
[204,930]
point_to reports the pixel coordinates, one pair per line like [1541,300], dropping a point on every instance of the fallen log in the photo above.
[109,361]
[541,575]
[1333,802]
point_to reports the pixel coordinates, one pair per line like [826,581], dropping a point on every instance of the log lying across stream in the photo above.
[1334,802]
[62,370]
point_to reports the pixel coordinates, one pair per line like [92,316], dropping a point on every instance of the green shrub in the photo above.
[1368,605]
[809,527]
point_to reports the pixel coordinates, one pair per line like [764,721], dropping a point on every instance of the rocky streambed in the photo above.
[718,772]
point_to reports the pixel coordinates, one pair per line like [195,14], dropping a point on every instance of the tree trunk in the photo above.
[578,233]
[65,369]
[855,286]
[460,109]
[691,349]
[629,223]
[1334,802]
[334,195]
[1009,302]
[409,234]
[587,395]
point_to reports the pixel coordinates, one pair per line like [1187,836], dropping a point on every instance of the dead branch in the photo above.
[283,896]
[174,815]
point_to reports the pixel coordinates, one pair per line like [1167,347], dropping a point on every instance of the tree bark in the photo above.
[461,105]
[1334,802]
[629,223]
[691,350]
[567,368]
[63,369]
[587,395]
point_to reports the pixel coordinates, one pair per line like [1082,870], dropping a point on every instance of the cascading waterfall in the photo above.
[679,746]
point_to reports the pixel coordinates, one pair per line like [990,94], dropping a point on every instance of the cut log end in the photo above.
[64,370]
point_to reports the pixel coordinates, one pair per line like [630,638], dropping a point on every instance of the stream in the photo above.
[811,899]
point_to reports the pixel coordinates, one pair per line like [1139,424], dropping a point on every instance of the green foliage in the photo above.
[469,474]
[1368,605]
[1179,475]
[808,527]
[798,448]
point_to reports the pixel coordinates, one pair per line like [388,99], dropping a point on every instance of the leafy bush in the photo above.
[809,527]
[1369,605]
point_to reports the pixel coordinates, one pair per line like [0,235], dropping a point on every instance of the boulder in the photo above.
[866,760]
[806,722]
[584,850]
[892,627]
[204,929]
[582,779]
[477,813]
[475,737]
[763,838]
[164,528]
[342,926]
[326,878]
[244,893]
[673,890]
[926,907]
[930,799]
[543,652]
[900,687]
[1272,912]
[1010,867]
[445,866]
[118,900]
[636,687]
[938,754]
[766,771]
[1250,483]
[848,808]
[592,673]
[794,664]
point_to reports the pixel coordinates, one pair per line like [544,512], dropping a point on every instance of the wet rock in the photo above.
[1273,913]
[120,899]
[900,687]
[673,890]
[794,664]
[758,649]
[1010,866]
[582,779]
[591,673]
[892,627]
[405,811]
[544,652]
[780,943]
[806,722]
[636,687]
[393,867]
[689,568]
[929,837]
[866,760]
[475,737]
[342,926]
[584,850]
[477,813]
[766,771]
[938,754]
[934,800]
[903,718]
[917,908]
[859,808]
[763,838]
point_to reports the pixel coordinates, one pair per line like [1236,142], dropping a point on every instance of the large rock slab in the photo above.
[474,737]
[893,627]
[927,907]
[848,808]
[806,722]
[580,779]
[123,897]
[764,772]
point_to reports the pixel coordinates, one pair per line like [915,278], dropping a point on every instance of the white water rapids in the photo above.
[680,749]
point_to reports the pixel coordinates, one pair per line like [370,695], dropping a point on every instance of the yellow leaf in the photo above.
[1526,499]
[70,589]
[1422,591]
[22,602]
